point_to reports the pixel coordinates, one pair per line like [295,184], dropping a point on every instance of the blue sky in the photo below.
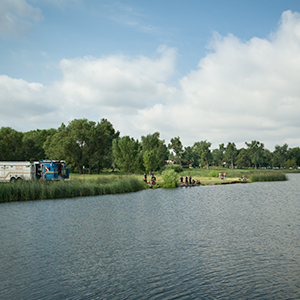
[222,71]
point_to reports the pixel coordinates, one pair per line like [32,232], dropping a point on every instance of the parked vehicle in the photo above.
[26,170]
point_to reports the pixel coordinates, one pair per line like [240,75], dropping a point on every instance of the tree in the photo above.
[190,157]
[230,153]
[82,132]
[218,155]
[10,144]
[243,159]
[154,152]
[294,153]
[104,134]
[281,153]
[125,151]
[202,149]
[177,147]
[150,160]
[73,143]
[267,158]
[255,149]
[33,142]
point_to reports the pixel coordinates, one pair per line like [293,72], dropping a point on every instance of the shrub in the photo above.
[213,174]
[176,168]
[170,178]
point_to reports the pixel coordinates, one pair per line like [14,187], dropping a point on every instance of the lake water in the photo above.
[237,241]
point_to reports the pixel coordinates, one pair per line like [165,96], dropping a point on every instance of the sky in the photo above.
[221,71]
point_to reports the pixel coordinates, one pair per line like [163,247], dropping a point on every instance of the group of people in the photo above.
[188,181]
[153,179]
[222,175]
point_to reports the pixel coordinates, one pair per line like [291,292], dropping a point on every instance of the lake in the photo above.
[238,241]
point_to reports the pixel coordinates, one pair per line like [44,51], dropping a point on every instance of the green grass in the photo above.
[34,190]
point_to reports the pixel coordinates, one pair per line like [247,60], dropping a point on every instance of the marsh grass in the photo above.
[267,176]
[33,190]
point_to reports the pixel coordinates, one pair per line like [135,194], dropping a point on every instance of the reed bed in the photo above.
[38,190]
[267,176]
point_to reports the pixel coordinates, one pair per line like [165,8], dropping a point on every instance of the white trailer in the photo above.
[16,170]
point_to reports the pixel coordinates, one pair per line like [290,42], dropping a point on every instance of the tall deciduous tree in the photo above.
[154,152]
[281,153]
[230,153]
[243,159]
[125,152]
[177,147]
[218,155]
[33,142]
[10,144]
[256,150]
[202,148]
[104,134]
[190,157]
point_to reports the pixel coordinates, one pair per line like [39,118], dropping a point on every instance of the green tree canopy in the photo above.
[10,144]
[281,153]
[256,150]
[243,159]
[176,146]
[125,152]
[202,149]
[230,153]
[154,152]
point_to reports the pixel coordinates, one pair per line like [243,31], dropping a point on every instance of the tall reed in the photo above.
[267,176]
[33,190]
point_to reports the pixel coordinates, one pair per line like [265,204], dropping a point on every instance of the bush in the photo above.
[213,174]
[170,178]
[176,168]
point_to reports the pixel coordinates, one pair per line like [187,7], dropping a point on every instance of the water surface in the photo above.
[209,242]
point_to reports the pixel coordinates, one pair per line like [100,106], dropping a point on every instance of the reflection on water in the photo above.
[212,242]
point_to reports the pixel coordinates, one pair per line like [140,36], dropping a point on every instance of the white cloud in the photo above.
[118,82]
[239,92]
[16,17]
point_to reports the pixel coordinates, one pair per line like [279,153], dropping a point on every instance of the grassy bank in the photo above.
[34,190]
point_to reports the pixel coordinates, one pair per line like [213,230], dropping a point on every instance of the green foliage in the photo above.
[267,176]
[177,147]
[10,144]
[190,157]
[154,152]
[213,174]
[83,143]
[176,168]
[230,153]
[255,150]
[125,151]
[280,153]
[150,159]
[170,179]
[35,190]
[218,155]
[33,142]
[202,149]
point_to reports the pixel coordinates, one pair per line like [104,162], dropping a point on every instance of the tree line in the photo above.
[97,146]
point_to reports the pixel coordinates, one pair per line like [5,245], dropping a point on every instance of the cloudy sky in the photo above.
[222,71]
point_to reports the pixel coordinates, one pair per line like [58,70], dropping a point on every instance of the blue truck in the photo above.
[51,170]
